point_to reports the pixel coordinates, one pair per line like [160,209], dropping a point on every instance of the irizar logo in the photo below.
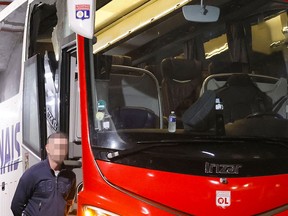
[82,11]
[212,168]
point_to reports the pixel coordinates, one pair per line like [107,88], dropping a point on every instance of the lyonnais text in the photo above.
[9,148]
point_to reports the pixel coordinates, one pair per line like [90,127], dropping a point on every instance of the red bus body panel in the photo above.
[161,193]
[127,190]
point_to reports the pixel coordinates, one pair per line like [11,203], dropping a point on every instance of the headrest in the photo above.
[240,80]
[121,60]
[181,69]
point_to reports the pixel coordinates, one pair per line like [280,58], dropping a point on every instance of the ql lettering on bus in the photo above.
[82,11]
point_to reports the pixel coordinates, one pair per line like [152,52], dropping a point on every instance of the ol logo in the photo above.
[82,11]
[223,198]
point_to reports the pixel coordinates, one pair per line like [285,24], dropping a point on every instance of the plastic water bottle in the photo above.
[219,120]
[172,122]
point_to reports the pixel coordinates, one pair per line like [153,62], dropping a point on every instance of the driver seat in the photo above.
[241,97]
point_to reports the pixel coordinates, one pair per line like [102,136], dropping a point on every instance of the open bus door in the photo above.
[34,111]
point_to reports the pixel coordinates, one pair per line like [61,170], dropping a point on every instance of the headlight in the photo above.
[93,211]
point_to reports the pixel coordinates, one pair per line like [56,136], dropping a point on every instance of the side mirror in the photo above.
[201,13]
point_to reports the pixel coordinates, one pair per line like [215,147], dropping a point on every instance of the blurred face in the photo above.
[57,149]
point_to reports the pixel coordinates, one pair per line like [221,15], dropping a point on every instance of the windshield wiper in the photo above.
[153,144]
[161,143]
[122,153]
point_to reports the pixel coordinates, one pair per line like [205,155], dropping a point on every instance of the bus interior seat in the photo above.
[276,88]
[241,97]
[181,84]
[222,67]
[134,117]
[133,88]
[212,83]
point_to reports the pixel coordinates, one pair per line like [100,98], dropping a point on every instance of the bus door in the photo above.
[55,51]
[55,45]
[70,108]
[34,126]
[40,106]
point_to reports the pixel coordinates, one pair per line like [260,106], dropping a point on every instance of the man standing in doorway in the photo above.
[47,188]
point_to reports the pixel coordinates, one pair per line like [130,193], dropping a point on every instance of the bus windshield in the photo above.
[226,78]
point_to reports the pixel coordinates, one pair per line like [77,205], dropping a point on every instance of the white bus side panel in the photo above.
[11,167]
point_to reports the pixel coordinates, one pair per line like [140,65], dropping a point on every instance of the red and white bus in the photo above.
[110,72]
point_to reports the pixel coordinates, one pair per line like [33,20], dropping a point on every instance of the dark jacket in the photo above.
[40,192]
